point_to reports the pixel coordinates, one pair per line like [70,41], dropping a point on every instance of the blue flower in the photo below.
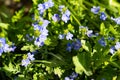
[61,36]
[95,10]
[67,12]
[69,36]
[96,34]
[66,16]
[112,49]
[76,44]
[41,27]
[36,26]
[67,78]
[102,42]
[5,47]
[30,56]
[44,32]
[41,8]
[117,20]
[51,4]
[29,38]
[45,23]
[111,38]
[103,16]
[73,75]
[25,62]
[44,6]
[8,48]
[61,8]
[56,17]
[2,42]
[89,33]
[12,48]
[69,47]
[1,51]
[117,46]
[39,41]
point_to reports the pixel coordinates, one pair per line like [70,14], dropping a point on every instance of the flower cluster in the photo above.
[102,42]
[30,57]
[4,47]
[41,24]
[74,45]
[72,76]
[103,16]
[39,41]
[96,10]
[69,36]
[65,14]
[44,6]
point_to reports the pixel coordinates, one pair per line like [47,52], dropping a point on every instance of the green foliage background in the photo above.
[52,61]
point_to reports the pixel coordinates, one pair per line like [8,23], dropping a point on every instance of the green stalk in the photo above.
[43,61]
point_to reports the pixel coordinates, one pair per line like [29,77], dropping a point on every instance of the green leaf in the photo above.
[82,64]
[115,64]
[35,2]
[35,76]
[70,27]
[114,3]
[49,69]
[102,29]
[48,41]
[58,71]
[78,67]
[10,69]
[19,36]
[21,77]
[112,30]
[28,47]
[86,45]
[4,25]
[18,15]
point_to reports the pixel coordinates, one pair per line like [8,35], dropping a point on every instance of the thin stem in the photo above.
[42,61]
